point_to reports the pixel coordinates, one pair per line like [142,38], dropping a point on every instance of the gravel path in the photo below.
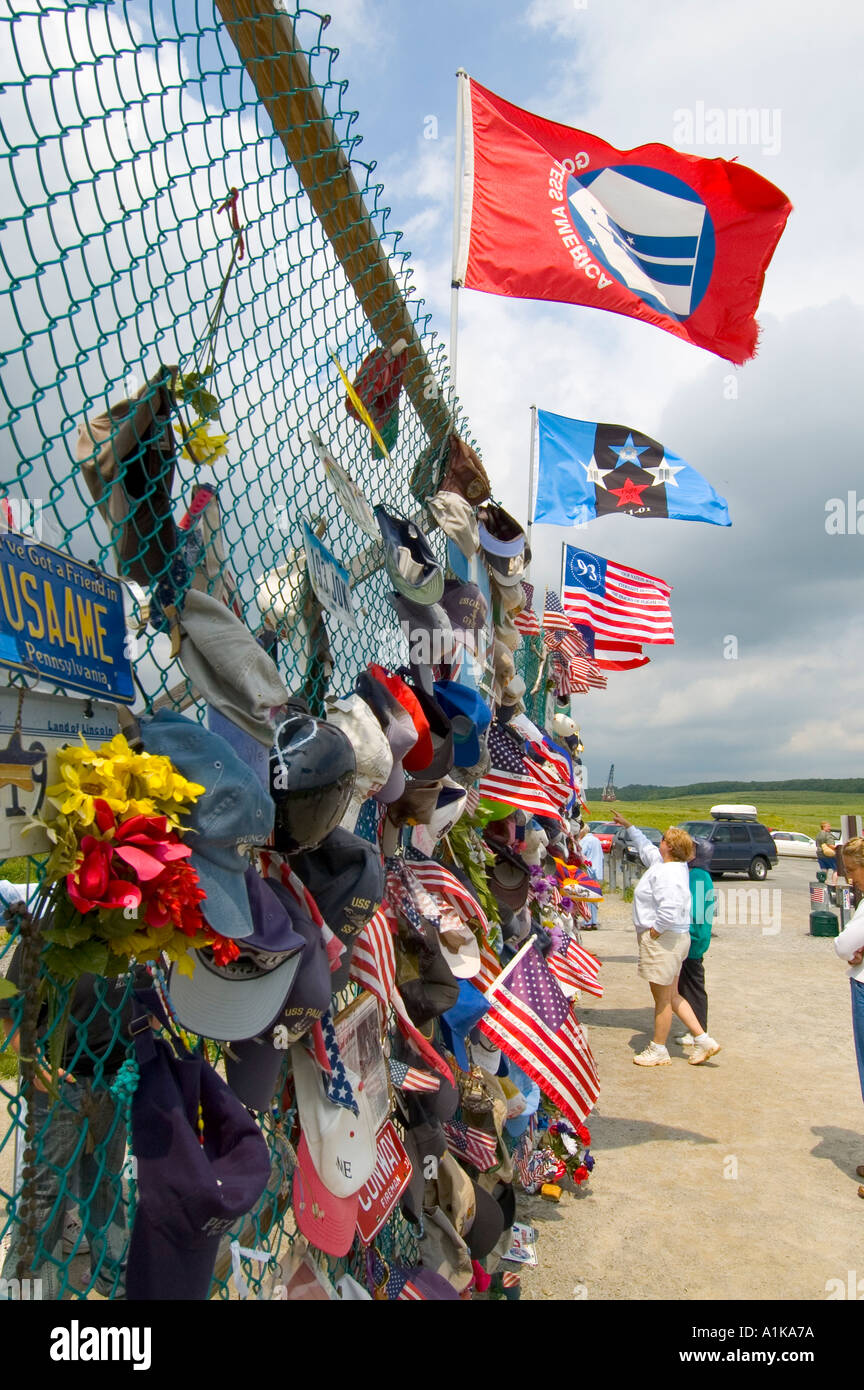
[734,1179]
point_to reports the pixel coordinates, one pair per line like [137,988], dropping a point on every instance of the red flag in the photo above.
[673,239]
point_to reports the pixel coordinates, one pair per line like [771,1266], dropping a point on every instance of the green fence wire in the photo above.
[126,127]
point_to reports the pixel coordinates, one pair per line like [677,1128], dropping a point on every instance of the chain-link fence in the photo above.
[188,224]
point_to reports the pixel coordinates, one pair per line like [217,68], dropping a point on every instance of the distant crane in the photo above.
[609,789]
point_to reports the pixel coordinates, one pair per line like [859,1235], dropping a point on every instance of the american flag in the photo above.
[526,620]
[609,655]
[474,1145]
[394,1281]
[373,967]
[620,604]
[560,791]
[511,777]
[407,1078]
[532,1022]
[533,1166]
[576,968]
[436,878]
[554,617]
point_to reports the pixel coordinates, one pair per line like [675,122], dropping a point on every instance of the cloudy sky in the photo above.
[778,437]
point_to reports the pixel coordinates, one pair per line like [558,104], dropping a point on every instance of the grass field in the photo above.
[792,810]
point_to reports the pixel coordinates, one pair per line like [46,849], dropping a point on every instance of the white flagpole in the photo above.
[461,79]
[531,477]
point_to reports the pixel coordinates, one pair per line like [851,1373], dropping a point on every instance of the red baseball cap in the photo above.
[420,756]
[326,1221]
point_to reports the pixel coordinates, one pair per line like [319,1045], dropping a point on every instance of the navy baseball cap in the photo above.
[234,809]
[469,718]
[345,876]
[309,998]
[191,1189]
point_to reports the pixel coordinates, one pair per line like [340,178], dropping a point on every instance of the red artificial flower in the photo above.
[142,844]
[92,885]
[583,1135]
[580,1174]
[146,844]
[225,949]
[172,899]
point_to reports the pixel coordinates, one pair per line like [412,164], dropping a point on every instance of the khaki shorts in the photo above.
[661,958]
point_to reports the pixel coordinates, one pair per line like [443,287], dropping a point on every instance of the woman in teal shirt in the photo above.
[691,981]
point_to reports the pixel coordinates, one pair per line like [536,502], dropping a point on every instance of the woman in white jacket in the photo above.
[849,945]
[661,916]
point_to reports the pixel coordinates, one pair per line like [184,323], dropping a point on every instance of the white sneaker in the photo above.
[686,1040]
[702,1051]
[653,1056]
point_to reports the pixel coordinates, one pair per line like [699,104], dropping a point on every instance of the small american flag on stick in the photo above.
[531,1020]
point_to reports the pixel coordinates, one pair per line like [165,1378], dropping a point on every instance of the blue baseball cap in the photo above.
[245,996]
[469,718]
[234,809]
[457,1022]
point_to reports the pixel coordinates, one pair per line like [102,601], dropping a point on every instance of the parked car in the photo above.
[794,842]
[740,847]
[622,851]
[605,832]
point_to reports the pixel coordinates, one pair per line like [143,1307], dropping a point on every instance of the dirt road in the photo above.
[734,1179]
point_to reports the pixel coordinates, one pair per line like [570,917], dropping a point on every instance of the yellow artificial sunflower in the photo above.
[199,446]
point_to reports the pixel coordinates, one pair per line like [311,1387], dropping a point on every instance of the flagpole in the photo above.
[499,979]
[461,79]
[531,477]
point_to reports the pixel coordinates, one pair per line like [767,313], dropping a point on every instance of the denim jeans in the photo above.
[858,1027]
[67,1174]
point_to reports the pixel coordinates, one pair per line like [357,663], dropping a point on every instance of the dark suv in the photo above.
[740,847]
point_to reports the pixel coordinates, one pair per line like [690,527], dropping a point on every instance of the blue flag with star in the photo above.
[589,470]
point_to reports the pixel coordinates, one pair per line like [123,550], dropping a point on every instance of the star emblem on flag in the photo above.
[628,452]
[630,495]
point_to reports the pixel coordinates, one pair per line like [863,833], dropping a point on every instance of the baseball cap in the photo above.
[455,515]
[189,1192]
[450,805]
[503,543]
[488,1225]
[509,879]
[465,473]
[234,809]
[398,729]
[469,717]
[458,1021]
[371,752]
[327,1221]
[440,733]
[309,998]
[416,805]
[244,996]
[428,631]
[409,559]
[228,668]
[465,606]
[458,945]
[248,749]
[252,1069]
[341,1144]
[345,876]
[418,758]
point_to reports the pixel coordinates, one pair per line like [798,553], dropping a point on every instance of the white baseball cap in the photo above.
[341,1144]
[371,750]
